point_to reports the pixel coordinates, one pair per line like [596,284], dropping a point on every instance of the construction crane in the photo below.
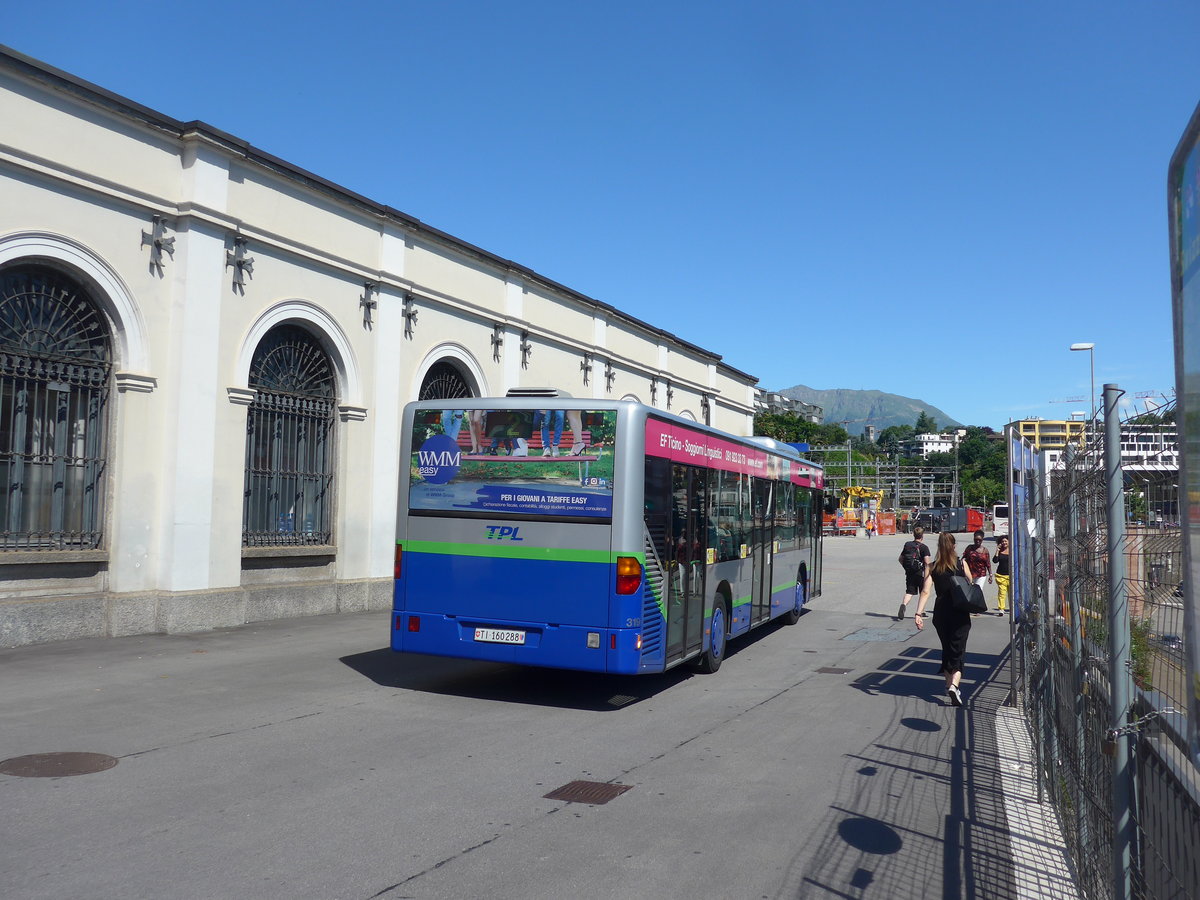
[1141,395]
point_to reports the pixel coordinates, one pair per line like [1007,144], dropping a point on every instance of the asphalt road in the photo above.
[302,759]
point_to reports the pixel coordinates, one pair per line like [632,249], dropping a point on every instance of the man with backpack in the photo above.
[914,559]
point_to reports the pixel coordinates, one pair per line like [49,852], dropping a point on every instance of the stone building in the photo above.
[193,331]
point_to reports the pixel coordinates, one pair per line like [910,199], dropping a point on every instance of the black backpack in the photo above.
[912,558]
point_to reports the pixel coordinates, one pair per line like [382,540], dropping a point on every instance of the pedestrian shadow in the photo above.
[916,672]
[919,812]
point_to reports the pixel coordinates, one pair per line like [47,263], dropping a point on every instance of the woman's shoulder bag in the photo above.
[966,595]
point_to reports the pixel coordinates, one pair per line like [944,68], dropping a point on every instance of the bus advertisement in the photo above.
[630,541]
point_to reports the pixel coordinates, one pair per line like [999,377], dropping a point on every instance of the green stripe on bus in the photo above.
[741,601]
[510,550]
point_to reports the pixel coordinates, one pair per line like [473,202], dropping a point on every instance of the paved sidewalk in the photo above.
[1040,861]
[944,802]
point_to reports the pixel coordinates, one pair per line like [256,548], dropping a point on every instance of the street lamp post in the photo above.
[1091,349]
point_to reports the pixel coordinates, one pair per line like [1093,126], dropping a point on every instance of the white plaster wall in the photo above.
[82,143]
[454,275]
[279,207]
[189,519]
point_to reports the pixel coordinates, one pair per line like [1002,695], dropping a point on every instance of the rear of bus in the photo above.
[1000,519]
[504,544]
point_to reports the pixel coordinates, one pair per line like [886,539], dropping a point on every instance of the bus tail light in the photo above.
[396,563]
[638,644]
[414,623]
[629,574]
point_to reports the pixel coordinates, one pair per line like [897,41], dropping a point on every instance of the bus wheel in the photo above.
[792,616]
[714,650]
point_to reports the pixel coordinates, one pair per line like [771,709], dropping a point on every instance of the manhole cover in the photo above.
[56,765]
[595,792]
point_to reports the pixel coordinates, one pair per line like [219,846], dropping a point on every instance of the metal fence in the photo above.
[1098,562]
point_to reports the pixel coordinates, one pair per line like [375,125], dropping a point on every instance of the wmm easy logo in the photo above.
[503,533]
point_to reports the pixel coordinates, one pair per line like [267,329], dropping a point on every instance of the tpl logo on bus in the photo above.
[503,533]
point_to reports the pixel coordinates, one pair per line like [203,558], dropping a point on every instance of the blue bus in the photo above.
[598,535]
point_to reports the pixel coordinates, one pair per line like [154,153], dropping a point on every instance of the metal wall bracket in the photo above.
[410,314]
[526,349]
[497,341]
[586,367]
[241,264]
[368,302]
[158,244]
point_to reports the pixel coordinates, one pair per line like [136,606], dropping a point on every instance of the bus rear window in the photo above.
[552,462]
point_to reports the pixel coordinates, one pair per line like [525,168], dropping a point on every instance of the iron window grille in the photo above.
[289,442]
[55,363]
[444,381]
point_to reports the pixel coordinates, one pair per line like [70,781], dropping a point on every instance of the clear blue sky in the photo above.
[929,198]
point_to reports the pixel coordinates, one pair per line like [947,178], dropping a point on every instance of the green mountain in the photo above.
[855,410]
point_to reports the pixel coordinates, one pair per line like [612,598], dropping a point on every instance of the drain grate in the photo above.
[832,670]
[595,792]
[56,765]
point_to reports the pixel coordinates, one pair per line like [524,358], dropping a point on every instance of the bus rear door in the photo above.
[676,497]
[762,535]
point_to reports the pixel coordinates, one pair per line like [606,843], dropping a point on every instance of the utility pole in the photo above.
[1118,650]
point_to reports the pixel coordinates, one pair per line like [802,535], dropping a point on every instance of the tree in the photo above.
[826,435]
[786,427]
[975,448]
[865,446]
[891,440]
[982,492]
[926,424]
[792,429]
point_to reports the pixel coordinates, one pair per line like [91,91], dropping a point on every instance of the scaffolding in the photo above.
[901,486]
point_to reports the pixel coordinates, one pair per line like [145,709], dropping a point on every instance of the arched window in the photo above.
[55,360]
[289,442]
[444,381]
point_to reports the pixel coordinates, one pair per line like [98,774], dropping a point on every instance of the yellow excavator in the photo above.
[853,496]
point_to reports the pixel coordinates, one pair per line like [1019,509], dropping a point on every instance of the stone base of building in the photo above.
[40,620]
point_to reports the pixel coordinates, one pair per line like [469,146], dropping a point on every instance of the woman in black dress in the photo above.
[953,625]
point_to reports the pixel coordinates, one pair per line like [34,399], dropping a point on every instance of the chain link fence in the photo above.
[1065,639]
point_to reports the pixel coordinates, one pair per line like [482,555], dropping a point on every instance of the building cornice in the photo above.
[58,81]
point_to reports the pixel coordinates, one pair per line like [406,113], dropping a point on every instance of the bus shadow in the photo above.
[559,688]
